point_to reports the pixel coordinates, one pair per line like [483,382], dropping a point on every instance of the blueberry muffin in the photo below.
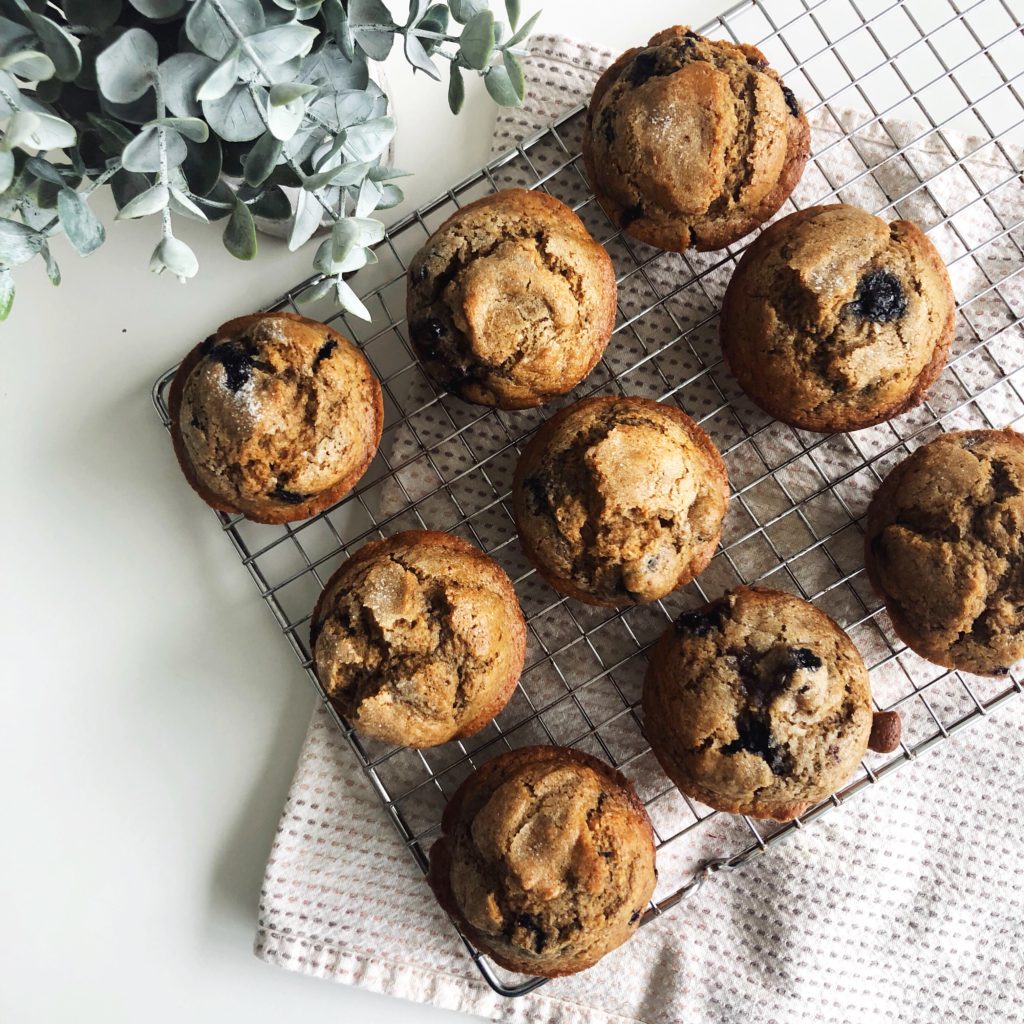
[693,142]
[619,501]
[510,301]
[546,860]
[837,320]
[944,548]
[758,703]
[275,416]
[418,639]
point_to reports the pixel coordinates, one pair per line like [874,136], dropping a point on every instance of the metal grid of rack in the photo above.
[917,112]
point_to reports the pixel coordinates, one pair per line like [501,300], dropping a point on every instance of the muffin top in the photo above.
[418,639]
[275,416]
[693,142]
[510,301]
[757,703]
[546,859]
[620,500]
[836,320]
[944,547]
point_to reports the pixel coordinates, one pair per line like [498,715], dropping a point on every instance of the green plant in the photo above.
[212,109]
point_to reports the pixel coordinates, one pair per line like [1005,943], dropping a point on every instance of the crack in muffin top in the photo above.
[510,301]
[276,411]
[620,500]
[836,320]
[418,639]
[691,141]
[757,703]
[944,546]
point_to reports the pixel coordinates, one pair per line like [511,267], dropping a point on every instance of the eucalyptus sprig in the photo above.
[229,110]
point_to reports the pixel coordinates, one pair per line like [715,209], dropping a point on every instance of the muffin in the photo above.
[619,501]
[418,639]
[275,416]
[546,860]
[693,142]
[836,320]
[510,301]
[944,548]
[758,703]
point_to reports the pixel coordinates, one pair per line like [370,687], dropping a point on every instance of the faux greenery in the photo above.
[209,109]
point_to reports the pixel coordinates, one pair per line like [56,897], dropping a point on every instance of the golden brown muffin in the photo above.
[510,301]
[836,320]
[619,500]
[944,548]
[693,142]
[418,639]
[275,416]
[546,860]
[758,703]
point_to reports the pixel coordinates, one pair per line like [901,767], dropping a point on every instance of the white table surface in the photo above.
[152,712]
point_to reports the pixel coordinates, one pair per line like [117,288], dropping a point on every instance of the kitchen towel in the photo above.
[905,905]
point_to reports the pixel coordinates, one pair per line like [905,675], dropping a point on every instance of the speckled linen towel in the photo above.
[906,905]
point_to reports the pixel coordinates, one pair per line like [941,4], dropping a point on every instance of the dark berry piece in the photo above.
[1002,670]
[879,297]
[690,34]
[537,494]
[1002,485]
[801,657]
[608,131]
[421,274]
[755,737]
[645,66]
[325,353]
[315,629]
[428,334]
[236,358]
[699,622]
[794,107]
[630,214]
[206,347]
[759,64]
[636,915]
[280,493]
[538,937]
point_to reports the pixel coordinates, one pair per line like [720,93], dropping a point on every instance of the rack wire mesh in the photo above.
[917,112]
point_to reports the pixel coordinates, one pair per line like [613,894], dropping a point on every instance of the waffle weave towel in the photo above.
[906,905]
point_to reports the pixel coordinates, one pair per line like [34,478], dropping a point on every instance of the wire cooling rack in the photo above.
[916,112]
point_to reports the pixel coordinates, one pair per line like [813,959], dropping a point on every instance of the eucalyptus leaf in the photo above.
[372,27]
[43,170]
[262,159]
[174,255]
[97,14]
[126,185]
[153,200]
[222,78]
[390,195]
[52,269]
[6,169]
[143,153]
[384,173]
[284,121]
[20,128]
[456,88]
[272,205]
[464,10]
[240,233]
[349,301]
[82,227]
[234,117]
[182,204]
[477,40]
[18,242]
[6,293]
[202,166]
[277,45]
[218,202]
[283,93]
[50,132]
[59,45]
[308,213]
[191,127]
[314,293]
[369,140]
[416,54]
[344,236]
[523,32]
[158,8]
[500,87]
[512,9]
[209,33]
[180,78]
[516,74]
[126,68]
[30,64]
[337,24]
